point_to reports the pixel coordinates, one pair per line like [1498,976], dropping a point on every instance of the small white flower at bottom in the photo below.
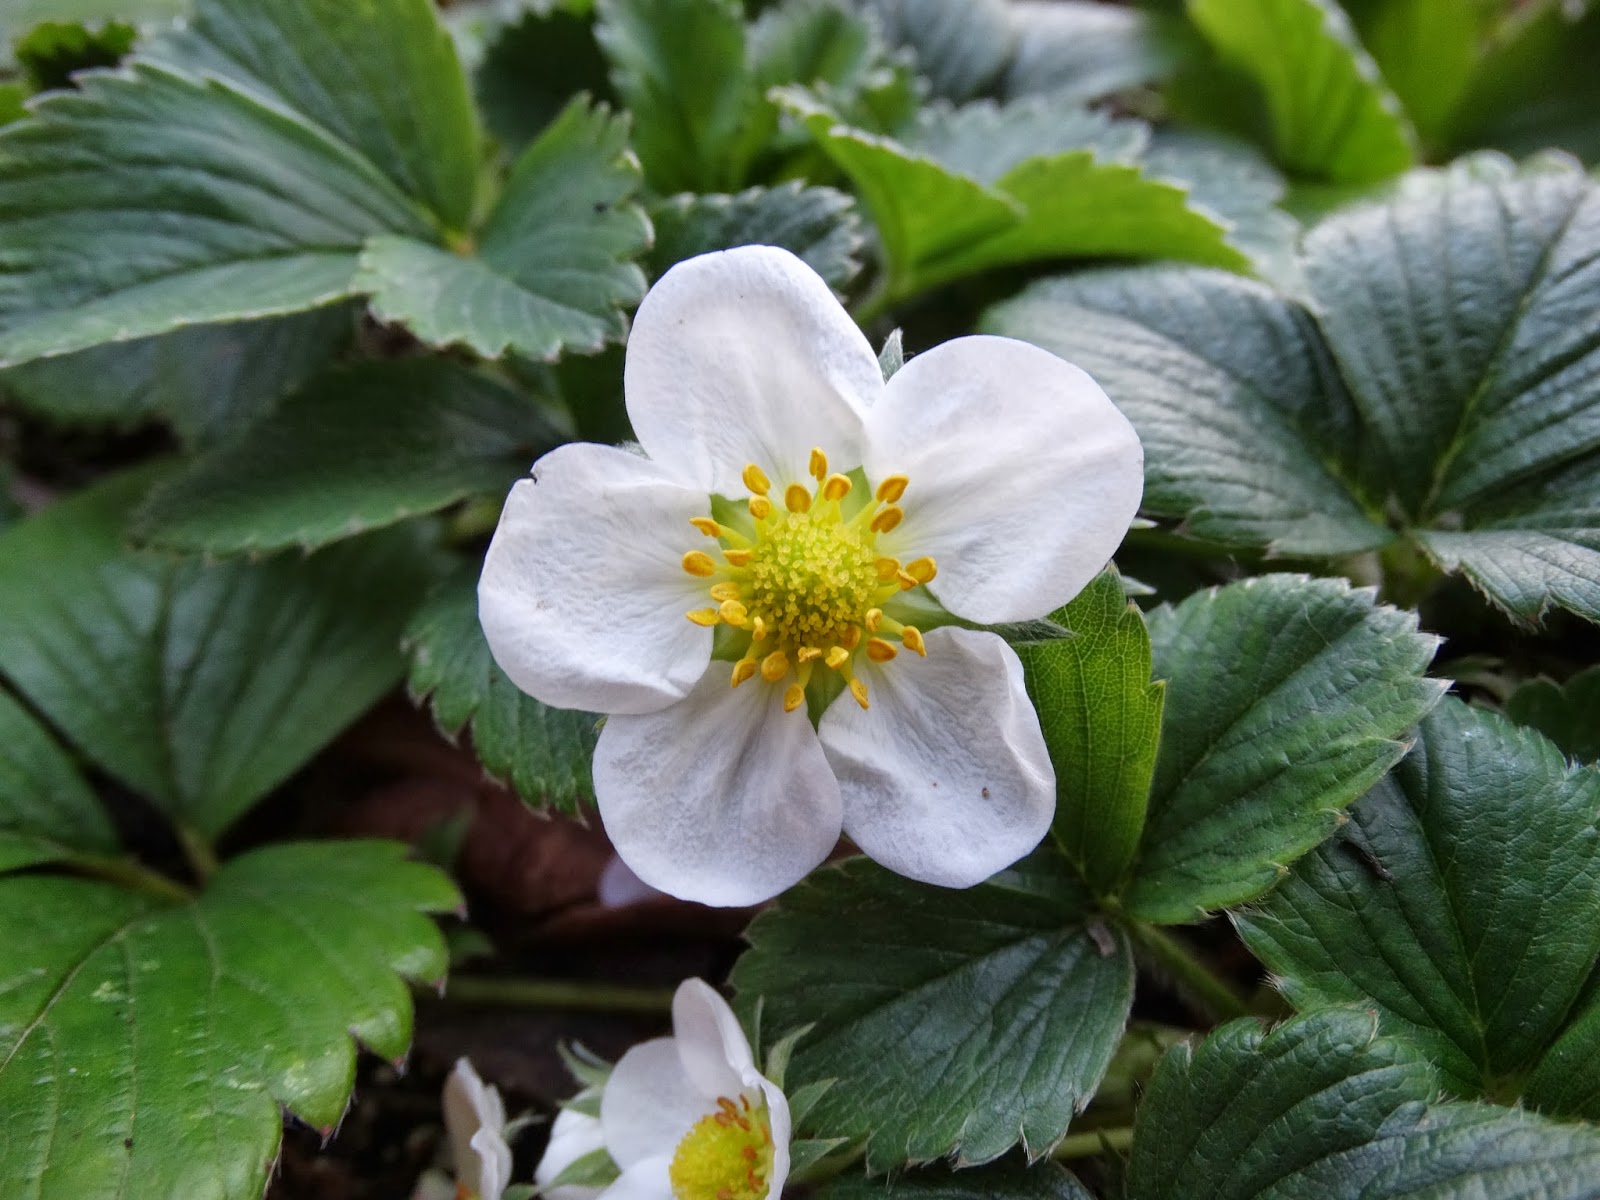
[475,1122]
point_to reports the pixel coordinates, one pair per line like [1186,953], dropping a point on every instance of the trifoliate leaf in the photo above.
[1331,114]
[146,1047]
[1462,903]
[201,686]
[1569,714]
[1085,49]
[46,809]
[1259,761]
[1101,718]
[952,1022]
[817,224]
[1001,1181]
[1322,1107]
[543,752]
[359,448]
[551,271]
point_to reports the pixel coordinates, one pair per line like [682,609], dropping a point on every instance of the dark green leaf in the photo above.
[1462,902]
[53,51]
[543,752]
[1259,760]
[203,687]
[145,1050]
[818,224]
[551,271]
[359,448]
[46,809]
[1569,714]
[533,67]
[19,16]
[952,1022]
[1008,1181]
[1101,718]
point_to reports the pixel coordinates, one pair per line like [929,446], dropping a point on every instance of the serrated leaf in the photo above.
[46,809]
[551,271]
[952,1022]
[1085,49]
[817,224]
[1462,903]
[1567,714]
[380,76]
[1320,1106]
[145,1049]
[358,448]
[543,752]
[533,67]
[1101,718]
[1001,1181]
[1428,51]
[1332,116]
[1258,762]
[201,686]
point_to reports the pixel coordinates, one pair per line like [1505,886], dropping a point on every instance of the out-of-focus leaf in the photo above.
[1567,714]
[1085,49]
[820,225]
[46,809]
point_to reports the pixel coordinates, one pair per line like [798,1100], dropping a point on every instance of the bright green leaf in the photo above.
[359,448]
[1259,761]
[1008,1181]
[543,752]
[145,1050]
[1101,718]
[201,686]
[1428,51]
[46,809]
[51,53]
[1568,714]
[817,224]
[953,1022]
[1462,902]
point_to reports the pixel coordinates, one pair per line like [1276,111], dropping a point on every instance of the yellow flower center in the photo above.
[810,584]
[726,1155]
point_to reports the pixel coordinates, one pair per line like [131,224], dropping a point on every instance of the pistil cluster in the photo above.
[809,582]
[726,1155]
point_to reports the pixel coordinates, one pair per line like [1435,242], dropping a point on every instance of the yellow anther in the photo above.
[837,487]
[760,507]
[887,519]
[922,569]
[887,568]
[793,697]
[851,638]
[796,499]
[733,613]
[756,480]
[742,670]
[873,620]
[859,691]
[697,562]
[703,616]
[738,558]
[774,666]
[907,581]
[807,653]
[911,638]
[706,526]
[892,488]
[837,657]
[819,464]
[725,591]
[879,650]
[758,629]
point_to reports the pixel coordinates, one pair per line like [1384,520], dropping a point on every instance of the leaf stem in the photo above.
[1095,1141]
[557,993]
[1194,979]
[134,876]
[197,849]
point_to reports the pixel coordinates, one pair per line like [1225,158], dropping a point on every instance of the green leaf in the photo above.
[261,213]
[1007,1181]
[1101,718]
[1085,49]
[817,224]
[543,752]
[203,687]
[1322,1107]
[551,271]
[961,48]
[50,53]
[953,1022]
[1332,116]
[1569,714]
[1258,762]
[1247,428]
[1428,51]
[379,76]
[46,809]
[532,69]
[20,16]
[145,1050]
[359,448]
[1462,903]
[679,65]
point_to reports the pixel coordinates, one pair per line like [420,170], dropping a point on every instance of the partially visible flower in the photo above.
[797,531]
[686,1117]
[475,1122]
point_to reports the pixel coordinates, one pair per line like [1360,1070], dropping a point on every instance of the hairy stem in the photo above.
[1194,979]
[1095,1141]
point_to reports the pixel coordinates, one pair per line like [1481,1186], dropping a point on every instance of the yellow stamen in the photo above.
[911,638]
[733,613]
[887,519]
[760,507]
[888,568]
[706,526]
[697,562]
[726,1155]
[725,591]
[703,616]
[742,670]
[807,653]
[892,488]
[756,480]
[836,488]
[738,558]
[819,464]
[879,650]
[859,691]
[922,569]
[774,666]
[907,581]
[851,638]
[758,628]
[837,657]
[873,620]
[793,697]
[796,499]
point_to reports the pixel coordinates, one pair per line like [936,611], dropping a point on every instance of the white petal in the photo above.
[782,1131]
[647,1180]
[1024,476]
[619,887]
[715,1053]
[475,1120]
[583,595]
[745,356]
[946,777]
[494,1163]
[722,798]
[649,1103]
[573,1135]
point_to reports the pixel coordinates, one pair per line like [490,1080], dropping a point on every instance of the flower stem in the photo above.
[199,852]
[557,993]
[1196,981]
[1095,1141]
[125,872]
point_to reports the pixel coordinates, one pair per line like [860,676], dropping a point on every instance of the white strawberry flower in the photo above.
[796,528]
[475,1124]
[686,1117]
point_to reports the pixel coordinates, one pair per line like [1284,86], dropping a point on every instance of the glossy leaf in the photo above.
[817,224]
[47,811]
